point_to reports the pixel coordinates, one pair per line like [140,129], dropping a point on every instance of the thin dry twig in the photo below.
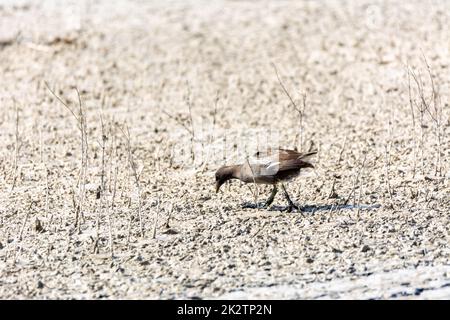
[435,113]
[355,183]
[300,112]
[133,169]
[155,220]
[24,222]
[421,108]
[259,230]
[333,193]
[16,147]
[413,122]
[82,177]
[213,134]
[387,157]
[433,108]
[181,123]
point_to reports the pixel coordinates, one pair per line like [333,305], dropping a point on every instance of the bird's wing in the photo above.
[264,163]
[283,153]
[279,153]
[270,162]
[291,154]
[261,154]
[308,157]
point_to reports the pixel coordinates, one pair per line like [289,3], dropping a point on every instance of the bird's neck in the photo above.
[234,171]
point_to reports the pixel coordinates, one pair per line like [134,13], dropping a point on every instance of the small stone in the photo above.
[335,250]
[40,284]
[365,248]
[309,260]
[38,226]
[418,291]
[120,269]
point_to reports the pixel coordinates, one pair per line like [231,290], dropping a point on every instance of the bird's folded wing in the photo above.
[270,166]
[264,166]
[308,157]
[270,163]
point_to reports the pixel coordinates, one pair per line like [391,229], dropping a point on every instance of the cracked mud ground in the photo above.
[378,230]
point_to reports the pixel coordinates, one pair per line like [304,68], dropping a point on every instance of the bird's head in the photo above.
[223,174]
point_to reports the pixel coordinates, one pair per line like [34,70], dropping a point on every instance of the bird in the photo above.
[270,167]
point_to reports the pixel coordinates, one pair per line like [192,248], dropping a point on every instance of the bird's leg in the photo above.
[292,205]
[271,197]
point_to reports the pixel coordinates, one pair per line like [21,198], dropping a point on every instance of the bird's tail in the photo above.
[308,157]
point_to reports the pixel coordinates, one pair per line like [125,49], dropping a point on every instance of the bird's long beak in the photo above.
[218,184]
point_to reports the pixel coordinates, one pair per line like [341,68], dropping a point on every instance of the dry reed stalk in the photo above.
[82,176]
[387,158]
[188,101]
[413,118]
[190,127]
[155,220]
[387,166]
[435,112]
[47,196]
[421,107]
[333,193]
[41,152]
[213,134]
[113,188]
[358,212]
[431,107]
[299,111]
[114,169]
[102,188]
[136,176]
[355,182]
[24,222]
[15,168]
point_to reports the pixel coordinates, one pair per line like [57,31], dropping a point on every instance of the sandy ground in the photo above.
[375,220]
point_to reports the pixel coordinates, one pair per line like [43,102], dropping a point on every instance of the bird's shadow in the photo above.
[311,208]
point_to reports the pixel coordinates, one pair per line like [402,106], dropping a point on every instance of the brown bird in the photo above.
[271,167]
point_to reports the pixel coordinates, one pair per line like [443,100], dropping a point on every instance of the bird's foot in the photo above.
[265,206]
[291,207]
[252,205]
[247,205]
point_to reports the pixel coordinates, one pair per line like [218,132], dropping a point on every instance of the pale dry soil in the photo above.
[144,64]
